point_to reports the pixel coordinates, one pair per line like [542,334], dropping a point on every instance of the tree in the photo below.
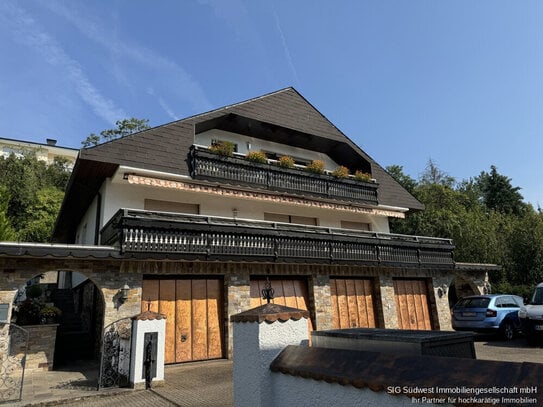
[6,231]
[403,179]
[124,128]
[433,175]
[42,215]
[497,192]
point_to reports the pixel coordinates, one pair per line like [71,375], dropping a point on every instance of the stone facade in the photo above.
[41,347]
[109,276]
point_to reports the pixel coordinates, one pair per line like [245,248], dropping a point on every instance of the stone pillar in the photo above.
[239,299]
[322,301]
[259,336]
[440,293]
[145,326]
[388,301]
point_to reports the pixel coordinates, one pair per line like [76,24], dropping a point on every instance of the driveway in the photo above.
[492,348]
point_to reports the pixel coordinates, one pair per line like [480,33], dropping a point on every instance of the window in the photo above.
[299,220]
[347,224]
[168,206]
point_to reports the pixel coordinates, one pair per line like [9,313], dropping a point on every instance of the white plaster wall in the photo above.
[255,346]
[137,349]
[297,391]
[123,195]
[85,235]
[205,138]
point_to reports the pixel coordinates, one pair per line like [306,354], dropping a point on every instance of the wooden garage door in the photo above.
[193,308]
[412,304]
[291,293]
[352,303]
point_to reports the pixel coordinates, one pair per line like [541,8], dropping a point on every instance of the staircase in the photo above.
[73,341]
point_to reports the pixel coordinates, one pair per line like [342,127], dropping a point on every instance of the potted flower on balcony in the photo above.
[257,157]
[362,176]
[49,314]
[223,148]
[286,161]
[341,172]
[316,167]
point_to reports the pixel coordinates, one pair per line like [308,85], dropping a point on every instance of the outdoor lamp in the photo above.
[123,293]
[441,291]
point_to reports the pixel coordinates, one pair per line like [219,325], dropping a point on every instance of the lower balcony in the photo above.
[149,234]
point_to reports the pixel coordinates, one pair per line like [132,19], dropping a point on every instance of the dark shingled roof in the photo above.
[283,116]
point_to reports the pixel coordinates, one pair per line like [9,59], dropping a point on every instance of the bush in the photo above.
[29,312]
[286,161]
[341,172]
[316,167]
[257,157]
[33,291]
[50,312]
[224,148]
[362,176]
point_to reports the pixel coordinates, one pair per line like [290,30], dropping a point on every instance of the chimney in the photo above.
[51,142]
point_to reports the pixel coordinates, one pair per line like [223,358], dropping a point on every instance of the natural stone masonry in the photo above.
[41,347]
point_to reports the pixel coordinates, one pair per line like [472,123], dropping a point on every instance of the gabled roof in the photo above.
[284,116]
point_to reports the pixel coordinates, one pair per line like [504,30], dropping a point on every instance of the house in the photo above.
[196,233]
[47,151]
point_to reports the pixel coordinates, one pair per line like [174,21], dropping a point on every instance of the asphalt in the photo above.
[183,386]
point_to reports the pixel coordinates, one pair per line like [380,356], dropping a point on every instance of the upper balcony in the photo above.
[196,237]
[206,165]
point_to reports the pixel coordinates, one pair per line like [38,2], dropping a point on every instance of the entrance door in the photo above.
[412,304]
[352,303]
[193,309]
[290,293]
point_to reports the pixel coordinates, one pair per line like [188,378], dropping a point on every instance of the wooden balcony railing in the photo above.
[213,167]
[196,237]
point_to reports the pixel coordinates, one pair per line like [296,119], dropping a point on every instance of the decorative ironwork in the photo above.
[115,363]
[267,291]
[213,238]
[13,350]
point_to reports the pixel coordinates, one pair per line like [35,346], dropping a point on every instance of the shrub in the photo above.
[224,148]
[341,172]
[33,291]
[50,312]
[256,157]
[362,176]
[316,167]
[286,161]
[29,312]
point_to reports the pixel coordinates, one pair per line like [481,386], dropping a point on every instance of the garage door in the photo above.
[352,303]
[412,304]
[291,293]
[194,310]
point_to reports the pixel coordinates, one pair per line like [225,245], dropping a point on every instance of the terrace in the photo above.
[206,165]
[195,237]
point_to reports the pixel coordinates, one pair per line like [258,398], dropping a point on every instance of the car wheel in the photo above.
[508,331]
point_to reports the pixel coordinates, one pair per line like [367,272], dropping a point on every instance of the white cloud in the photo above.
[26,30]
[180,82]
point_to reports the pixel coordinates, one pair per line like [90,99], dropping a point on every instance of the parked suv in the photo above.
[531,316]
[496,313]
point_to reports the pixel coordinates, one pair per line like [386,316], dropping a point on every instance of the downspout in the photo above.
[97,221]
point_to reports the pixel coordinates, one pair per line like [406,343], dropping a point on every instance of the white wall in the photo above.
[205,138]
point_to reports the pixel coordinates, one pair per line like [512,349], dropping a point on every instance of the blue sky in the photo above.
[460,82]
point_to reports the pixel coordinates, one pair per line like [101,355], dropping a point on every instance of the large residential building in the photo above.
[198,216]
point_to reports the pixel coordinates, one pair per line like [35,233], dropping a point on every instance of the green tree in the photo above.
[124,128]
[403,179]
[497,192]
[41,215]
[6,231]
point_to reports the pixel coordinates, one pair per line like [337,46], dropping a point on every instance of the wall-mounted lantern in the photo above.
[123,293]
[442,291]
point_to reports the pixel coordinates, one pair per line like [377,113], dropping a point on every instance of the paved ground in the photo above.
[193,384]
[202,384]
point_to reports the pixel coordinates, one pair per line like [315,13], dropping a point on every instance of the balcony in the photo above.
[233,170]
[165,235]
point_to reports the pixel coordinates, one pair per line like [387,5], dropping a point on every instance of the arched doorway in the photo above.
[459,288]
[72,301]
[81,322]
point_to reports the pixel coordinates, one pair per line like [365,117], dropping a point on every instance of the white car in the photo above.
[531,316]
